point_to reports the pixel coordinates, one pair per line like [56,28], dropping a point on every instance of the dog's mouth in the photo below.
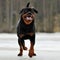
[29,18]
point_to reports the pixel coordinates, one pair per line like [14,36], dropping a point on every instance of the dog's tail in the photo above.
[28,4]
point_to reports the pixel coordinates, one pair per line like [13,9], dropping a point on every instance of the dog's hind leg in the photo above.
[25,48]
[23,44]
[22,41]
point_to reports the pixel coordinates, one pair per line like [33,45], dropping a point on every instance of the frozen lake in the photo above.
[47,47]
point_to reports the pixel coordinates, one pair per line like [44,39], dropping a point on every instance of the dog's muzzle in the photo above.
[29,16]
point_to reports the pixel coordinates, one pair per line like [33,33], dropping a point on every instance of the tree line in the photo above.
[47,19]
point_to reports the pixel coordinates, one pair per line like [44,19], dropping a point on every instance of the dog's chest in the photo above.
[27,28]
[24,29]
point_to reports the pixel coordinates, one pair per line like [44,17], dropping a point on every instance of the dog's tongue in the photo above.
[28,18]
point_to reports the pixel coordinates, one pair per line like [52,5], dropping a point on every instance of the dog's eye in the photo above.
[25,11]
[32,12]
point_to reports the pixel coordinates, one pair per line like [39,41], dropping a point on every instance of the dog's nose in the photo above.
[29,13]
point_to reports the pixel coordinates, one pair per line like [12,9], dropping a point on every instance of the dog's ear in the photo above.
[35,10]
[21,11]
[28,4]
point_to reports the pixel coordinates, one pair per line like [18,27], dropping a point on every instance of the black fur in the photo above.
[22,28]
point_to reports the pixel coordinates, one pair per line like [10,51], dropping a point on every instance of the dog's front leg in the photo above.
[21,47]
[31,51]
[32,43]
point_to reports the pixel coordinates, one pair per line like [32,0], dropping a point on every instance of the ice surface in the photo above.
[47,47]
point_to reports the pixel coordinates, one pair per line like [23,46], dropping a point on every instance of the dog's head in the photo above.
[28,14]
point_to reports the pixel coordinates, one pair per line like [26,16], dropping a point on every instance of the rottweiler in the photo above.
[26,29]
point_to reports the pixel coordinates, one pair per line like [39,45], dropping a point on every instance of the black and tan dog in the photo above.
[26,29]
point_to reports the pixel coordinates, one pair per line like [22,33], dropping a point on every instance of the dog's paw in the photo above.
[20,54]
[34,54]
[30,55]
[25,48]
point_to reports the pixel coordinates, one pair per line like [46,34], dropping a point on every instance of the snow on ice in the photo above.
[47,47]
